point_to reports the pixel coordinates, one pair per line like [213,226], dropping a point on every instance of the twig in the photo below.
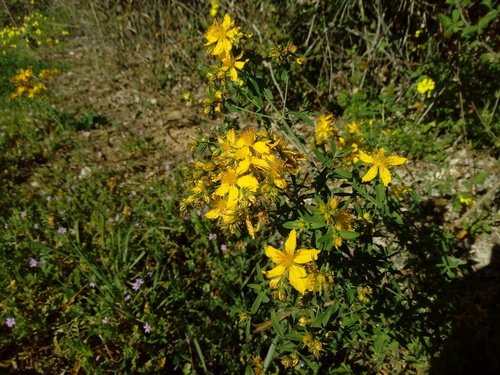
[8,12]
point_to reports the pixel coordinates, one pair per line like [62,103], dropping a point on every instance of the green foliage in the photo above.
[106,268]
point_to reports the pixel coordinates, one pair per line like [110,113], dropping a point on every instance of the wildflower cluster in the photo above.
[426,85]
[283,54]
[29,84]
[245,173]
[350,137]
[32,32]
[227,42]
[353,142]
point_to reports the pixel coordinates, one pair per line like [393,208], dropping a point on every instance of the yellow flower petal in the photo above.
[291,243]
[298,278]
[371,174]
[273,253]
[385,175]
[365,157]
[305,256]
[276,271]
[261,147]
[394,160]
[248,182]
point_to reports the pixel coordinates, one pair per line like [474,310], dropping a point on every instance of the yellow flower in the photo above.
[362,293]
[289,261]
[214,7]
[237,177]
[467,201]
[221,34]
[426,86]
[324,128]
[353,127]
[222,209]
[231,63]
[380,163]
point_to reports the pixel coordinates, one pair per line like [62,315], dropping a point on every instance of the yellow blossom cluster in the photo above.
[338,218]
[246,171]
[283,54]
[314,346]
[350,136]
[29,84]
[427,85]
[30,32]
[363,293]
[214,7]
[226,41]
[353,138]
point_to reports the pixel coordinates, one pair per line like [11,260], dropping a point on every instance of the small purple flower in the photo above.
[49,198]
[211,236]
[198,212]
[33,262]
[127,297]
[117,217]
[147,328]
[23,213]
[223,247]
[150,273]
[10,322]
[110,220]
[167,167]
[35,225]
[137,224]
[105,320]
[62,230]
[92,285]
[137,284]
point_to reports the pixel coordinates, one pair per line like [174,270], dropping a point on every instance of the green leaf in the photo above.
[487,3]
[260,298]
[380,195]
[257,95]
[343,174]
[480,177]
[268,94]
[488,57]
[294,336]
[348,235]
[276,324]
[469,30]
[324,318]
[444,20]
[484,22]
[303,117]
[291,224]
[345,152]
[324,160]
[316,222]
[230,107]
